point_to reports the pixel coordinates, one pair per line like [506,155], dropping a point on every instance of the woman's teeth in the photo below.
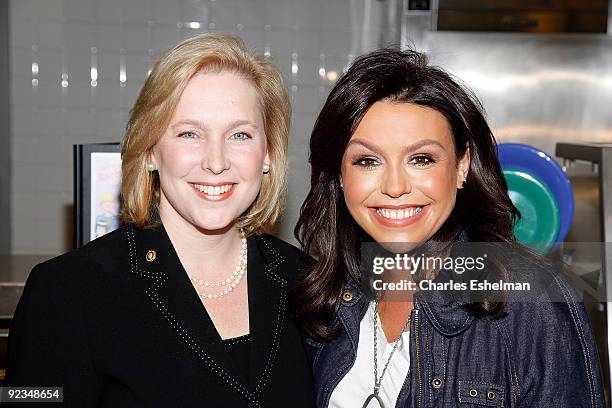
[398,214]
[212,190]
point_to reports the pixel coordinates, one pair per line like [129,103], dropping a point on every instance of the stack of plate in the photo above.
[541,191]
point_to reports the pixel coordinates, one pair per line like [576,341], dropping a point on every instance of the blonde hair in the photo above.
[151,114]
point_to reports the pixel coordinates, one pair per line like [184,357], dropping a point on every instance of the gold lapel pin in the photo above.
[151,255]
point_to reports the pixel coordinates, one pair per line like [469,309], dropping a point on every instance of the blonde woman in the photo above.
[186,304]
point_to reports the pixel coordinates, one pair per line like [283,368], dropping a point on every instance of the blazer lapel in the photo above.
[153,256]
[268,304]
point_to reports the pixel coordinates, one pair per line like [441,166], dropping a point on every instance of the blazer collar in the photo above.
[267,308]
[153,256]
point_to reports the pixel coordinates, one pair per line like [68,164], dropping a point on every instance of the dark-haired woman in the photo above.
[401,153]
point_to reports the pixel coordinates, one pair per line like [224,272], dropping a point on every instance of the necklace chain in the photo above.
[377,380]
[229,283]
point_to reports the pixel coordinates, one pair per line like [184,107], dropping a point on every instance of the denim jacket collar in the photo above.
[448,318]
[350,310]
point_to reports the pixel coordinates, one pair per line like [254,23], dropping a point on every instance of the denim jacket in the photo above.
[540,354]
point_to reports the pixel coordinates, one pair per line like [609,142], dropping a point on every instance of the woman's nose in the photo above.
[215,157]
[396,182]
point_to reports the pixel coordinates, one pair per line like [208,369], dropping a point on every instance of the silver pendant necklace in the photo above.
[378,380]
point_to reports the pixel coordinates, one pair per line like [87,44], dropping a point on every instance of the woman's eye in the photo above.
[240,136]
[421,161]
[366,162]
[188,135]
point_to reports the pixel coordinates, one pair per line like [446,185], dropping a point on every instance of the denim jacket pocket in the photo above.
[480,393]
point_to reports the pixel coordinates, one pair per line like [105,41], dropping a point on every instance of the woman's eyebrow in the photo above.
[202,125]
[242,122]
[411,147]
[189,122]
[362,143]
[423,143]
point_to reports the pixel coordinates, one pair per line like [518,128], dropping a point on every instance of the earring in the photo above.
[463,183]
[341,184]
[151,167]
[266,168]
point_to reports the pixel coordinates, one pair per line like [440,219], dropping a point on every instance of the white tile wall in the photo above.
[77,35]
[166,12]
[252,14]
[47,33]
[109,10]
[65,36]
[78,9]
[23,10]
[139,11]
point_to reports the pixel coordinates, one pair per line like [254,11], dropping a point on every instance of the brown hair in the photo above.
[325,227]
[156,103]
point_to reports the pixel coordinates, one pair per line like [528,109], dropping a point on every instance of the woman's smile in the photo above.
[214,192]
[398,217]
[400,172]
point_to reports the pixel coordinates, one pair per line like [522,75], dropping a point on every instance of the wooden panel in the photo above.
[525,5]
[534,22]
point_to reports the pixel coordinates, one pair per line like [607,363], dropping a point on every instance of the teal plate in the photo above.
[539,224]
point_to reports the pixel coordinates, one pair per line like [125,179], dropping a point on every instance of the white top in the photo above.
[358,383]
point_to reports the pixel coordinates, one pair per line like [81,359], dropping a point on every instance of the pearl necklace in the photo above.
[229,283]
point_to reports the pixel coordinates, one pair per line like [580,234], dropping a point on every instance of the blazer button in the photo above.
[151,255]
[347,296]
[436,382]
[473,392]
[491,395]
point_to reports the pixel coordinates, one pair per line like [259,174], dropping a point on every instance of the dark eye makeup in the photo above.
[422,160]
[419,160]
[365,161]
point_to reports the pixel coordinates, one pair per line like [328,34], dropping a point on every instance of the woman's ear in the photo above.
[463,167]
[266,164]
[151,160]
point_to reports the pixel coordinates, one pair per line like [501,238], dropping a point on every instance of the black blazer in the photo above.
[117,330]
